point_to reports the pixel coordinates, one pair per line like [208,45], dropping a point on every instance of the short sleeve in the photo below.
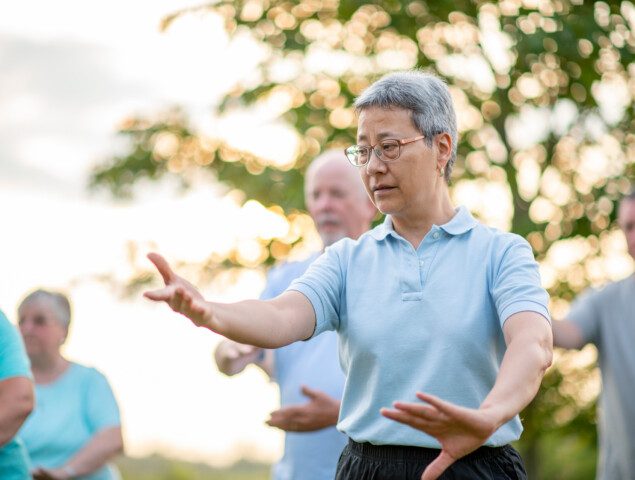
[323,284]
[13,359]
[516,285]
[586,315]
[101,407]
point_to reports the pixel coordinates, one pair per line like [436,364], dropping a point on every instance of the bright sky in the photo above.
[70,71]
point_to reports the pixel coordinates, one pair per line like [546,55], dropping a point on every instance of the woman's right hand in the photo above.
[180,295]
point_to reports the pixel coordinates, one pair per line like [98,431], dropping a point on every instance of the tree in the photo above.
[544,96]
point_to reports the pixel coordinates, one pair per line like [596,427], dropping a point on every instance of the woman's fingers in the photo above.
[409,419]
[178,301]
[424,411]
[185,303]
[162,266]
[438,466]
[436,402]
[451,411]
[160,295]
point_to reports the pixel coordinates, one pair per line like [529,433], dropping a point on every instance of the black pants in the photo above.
[363,461]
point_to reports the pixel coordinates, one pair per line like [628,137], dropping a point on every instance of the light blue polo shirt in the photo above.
[426,320]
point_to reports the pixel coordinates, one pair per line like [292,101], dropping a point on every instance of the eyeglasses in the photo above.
[386,150]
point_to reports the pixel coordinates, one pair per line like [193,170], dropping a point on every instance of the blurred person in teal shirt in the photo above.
[75,429]
[16,401]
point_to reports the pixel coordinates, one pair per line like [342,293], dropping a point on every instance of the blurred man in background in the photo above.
[606,318]
[308,373]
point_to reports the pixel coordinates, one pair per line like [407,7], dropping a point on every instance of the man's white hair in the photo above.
[328,156]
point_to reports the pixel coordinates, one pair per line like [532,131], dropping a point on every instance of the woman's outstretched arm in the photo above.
[264,323]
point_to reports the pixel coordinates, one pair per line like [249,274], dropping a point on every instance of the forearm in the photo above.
[523,367]
[97,452]
[266,324]
[567,334]
[16,398]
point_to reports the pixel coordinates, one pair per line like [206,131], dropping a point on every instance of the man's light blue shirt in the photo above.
[307,455]
[68,413]
[13,363]
[427,319]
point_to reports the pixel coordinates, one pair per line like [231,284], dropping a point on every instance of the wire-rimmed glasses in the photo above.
[386,150]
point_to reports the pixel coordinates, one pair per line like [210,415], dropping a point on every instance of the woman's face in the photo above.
[43,334]
[405,186]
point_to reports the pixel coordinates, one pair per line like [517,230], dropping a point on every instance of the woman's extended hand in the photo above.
[459,430]
[179,294]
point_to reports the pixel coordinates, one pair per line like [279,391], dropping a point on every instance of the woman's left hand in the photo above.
[459,430]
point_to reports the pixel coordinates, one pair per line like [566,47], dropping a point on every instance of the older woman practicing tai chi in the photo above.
[430,305]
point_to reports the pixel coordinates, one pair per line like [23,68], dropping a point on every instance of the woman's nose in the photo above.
[374,164]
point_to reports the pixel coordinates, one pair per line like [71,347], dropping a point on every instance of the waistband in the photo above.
[396,453]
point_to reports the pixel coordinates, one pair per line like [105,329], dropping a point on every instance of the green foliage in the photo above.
[160,468]
[182,148]
[559,421]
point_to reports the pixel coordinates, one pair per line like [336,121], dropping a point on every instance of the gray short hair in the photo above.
[58,301]
[425,95]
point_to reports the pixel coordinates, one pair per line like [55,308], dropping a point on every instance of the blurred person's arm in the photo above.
[233,357]
[269,324]
[567,334]
[582,323]
[16,399]
[101,448]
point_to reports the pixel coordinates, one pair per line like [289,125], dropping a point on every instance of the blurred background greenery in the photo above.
[544,96]
[160,468]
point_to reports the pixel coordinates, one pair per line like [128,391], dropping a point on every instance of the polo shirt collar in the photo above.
[462,222]
[382,230]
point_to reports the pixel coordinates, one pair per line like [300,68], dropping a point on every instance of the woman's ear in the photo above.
[444,148]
